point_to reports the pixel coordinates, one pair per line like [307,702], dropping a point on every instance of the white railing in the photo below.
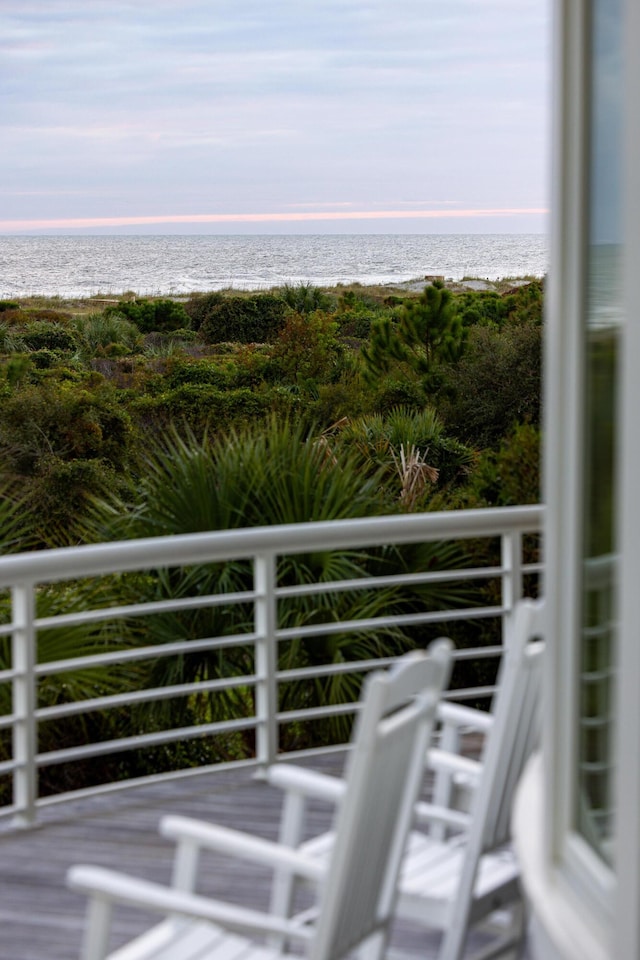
[125,639]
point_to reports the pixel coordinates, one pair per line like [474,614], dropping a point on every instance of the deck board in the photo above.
[42,920]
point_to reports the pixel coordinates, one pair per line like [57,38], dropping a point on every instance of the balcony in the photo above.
[150,711]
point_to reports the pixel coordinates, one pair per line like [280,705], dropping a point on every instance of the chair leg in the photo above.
[374,948]
[283,884]
[96,934]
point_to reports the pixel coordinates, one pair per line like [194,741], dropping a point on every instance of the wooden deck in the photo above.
[42,920]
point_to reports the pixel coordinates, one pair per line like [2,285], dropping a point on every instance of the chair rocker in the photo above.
[357,883]
[460,869]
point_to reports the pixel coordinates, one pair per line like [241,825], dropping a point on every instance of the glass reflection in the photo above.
[603,320]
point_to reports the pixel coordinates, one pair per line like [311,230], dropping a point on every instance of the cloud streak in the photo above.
[7,226]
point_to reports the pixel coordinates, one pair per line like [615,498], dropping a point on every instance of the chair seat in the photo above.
[431,874]
[176,939]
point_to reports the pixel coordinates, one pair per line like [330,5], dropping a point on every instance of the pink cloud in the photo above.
[291,216]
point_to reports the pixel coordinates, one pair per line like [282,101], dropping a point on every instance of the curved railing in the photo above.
[110,594]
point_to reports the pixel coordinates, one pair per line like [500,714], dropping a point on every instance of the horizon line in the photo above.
[291,216]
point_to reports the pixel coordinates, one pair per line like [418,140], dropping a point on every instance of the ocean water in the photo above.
[84,266]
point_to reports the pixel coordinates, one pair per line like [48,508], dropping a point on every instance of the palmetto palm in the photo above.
[410,447]
[269,473]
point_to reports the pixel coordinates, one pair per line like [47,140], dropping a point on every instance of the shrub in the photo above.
[306,348]
[61,495]
[107,334]
[200,306]
[305,298]
[62,421]
[202,407]
[152,315]
[244,320]
[496,384]
[44,335]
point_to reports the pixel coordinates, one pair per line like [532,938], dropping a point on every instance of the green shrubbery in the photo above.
[84,393]
[151,418]
[243,319]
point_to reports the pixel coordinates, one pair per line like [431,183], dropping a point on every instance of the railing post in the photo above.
[24,705]
[512,586]
[266,658]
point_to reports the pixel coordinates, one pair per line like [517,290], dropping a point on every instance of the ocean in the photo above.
[87,266]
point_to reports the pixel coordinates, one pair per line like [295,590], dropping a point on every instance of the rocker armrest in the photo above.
[309,783]
[453,714]
[242,845]
[428,812]
[465,767]
[103,884]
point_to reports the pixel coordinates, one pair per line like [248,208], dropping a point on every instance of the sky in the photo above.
[274,116]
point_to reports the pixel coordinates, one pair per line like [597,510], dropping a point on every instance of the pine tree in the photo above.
[428,333]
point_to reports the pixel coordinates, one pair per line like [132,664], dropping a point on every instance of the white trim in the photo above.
[627,785]
[564,416]
[561,927]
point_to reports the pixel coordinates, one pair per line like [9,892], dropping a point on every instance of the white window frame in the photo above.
[626,942]
[572,864]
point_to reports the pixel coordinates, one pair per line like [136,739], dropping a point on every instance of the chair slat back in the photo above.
[383,780]
[516,728]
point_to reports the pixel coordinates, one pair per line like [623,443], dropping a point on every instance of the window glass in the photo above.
[602,329]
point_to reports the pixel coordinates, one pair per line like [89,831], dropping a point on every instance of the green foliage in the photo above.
[201,407]
[226,374]
[306,348]
[305,298]
[201,305]
[14,526]
[151,315]
[405,392]
[410,447]
[39,421]
[44,335]
[62,495]
[244,319]
[518,305]
[428,334]
[504,477]
[17,370]
[8,305]
[269,474]
[107,334]
[496,384]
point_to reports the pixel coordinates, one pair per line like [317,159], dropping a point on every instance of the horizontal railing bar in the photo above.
[8,766]
[468,693]
[159,552]
[8,720]
[6,629]
[318,713]
[145,653]
[397,580]
[478,653]
[363,666]
[329,669]
[143,696]
[142,740]
[143,609]
[397,620]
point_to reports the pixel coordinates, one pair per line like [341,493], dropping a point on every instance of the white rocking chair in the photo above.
[358,881]
[460,869]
